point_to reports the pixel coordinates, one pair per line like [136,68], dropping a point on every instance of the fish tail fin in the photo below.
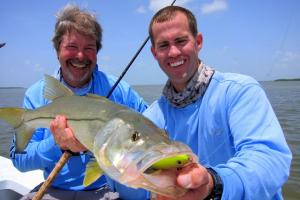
[92,172]
[14,117]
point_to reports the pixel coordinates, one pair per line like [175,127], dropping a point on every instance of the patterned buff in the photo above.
[194,89]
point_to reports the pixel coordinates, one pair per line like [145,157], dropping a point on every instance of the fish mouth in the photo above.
[141,174]
[135,168]
[161,152]
[134,162]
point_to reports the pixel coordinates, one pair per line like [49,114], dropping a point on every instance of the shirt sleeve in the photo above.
[41,151]
[262,160]
[131,98]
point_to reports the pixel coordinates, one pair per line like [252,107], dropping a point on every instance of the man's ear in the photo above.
[153,51]
[199,41]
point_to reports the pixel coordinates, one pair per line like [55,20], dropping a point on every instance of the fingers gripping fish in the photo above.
[126,145]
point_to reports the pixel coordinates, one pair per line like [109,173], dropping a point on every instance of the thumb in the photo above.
[185,181]
[192,177]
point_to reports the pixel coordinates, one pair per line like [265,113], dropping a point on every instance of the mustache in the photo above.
[77,61]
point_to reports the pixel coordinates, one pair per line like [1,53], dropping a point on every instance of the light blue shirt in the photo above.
[232,129]
[42,152]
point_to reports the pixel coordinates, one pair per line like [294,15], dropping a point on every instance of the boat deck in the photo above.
[13,183]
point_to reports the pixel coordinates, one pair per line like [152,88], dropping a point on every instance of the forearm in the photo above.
[262,157]
[37,155]
[254,174]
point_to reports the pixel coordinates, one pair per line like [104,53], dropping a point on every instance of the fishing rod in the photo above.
[130,63]
[67,154]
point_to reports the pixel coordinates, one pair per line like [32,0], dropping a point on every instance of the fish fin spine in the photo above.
[54,89]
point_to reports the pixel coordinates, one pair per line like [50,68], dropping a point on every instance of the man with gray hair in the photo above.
[77,40]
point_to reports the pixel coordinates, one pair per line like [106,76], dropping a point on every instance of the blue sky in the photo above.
[253,37]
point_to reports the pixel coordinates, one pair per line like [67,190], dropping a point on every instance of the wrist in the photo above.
[217,189]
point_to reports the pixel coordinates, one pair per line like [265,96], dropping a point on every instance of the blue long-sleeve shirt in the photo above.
[42,152]
[233,129]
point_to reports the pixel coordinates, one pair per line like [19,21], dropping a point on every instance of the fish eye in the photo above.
[135,136]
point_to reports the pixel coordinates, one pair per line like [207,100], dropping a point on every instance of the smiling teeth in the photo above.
[176,63]
[78,65]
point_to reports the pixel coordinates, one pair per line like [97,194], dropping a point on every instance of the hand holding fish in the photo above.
[64,136]
[127,146]
[196,179]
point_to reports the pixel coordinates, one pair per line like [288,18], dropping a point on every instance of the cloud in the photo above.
[141,9]
[105,58]
[27,62]
[286,64]
[288,58]
[35,66]
[214,6]
[155,5]
[38,68]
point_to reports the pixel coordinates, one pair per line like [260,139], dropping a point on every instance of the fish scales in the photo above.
[125,143]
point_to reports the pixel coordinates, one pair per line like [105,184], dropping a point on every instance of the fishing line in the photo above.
[130,63]
[284,37]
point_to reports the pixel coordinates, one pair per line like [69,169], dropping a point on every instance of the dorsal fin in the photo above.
[53,88]
[94,96]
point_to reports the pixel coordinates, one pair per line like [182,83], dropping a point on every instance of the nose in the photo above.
[174,51]
[80,55]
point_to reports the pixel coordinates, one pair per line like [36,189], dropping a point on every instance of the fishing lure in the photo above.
[171,162]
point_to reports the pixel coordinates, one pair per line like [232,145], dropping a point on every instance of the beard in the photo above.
[77,73]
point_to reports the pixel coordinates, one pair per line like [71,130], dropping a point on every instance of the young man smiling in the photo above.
[225,118]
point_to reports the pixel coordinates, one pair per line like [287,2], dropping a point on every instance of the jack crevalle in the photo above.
[127,146]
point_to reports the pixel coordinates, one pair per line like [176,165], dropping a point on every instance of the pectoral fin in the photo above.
[92,173]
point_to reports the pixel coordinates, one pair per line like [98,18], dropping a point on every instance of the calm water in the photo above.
[284,97]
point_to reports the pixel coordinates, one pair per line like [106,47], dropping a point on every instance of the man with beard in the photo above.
[77,40]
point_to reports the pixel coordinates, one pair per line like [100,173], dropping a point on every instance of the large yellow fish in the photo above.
[127,146]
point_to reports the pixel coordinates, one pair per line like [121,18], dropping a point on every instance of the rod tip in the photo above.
[2,45]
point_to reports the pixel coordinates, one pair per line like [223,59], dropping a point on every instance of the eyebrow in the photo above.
[93,45]
[176,39]
[162,42]
[182,37]
[75,44]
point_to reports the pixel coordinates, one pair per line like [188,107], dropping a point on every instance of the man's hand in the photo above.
[64,136]
[196,178]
